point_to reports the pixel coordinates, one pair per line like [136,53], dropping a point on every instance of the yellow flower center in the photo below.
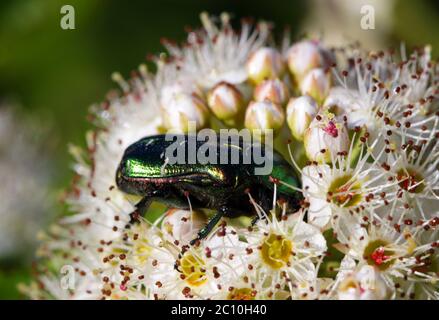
[344,191]
[276,251]
[193,268]
[241,294]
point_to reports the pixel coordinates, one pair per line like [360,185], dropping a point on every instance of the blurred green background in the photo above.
[55,74]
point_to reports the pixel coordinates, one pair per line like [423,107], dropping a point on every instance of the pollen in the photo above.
[276,251]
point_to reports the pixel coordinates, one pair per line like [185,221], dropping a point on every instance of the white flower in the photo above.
[426,273]
[346,102]
[389,92]
[325,138]
[246,287]
[363,284]
[284,253]
[314,290]
[338,193]
[183,225]
[413,165]
[393,257]
[198,272]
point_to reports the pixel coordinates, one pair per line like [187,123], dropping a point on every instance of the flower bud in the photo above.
[325,138]
[316,84]
[306,55]
[225,101]
[300,112]
[264,115]
[181,225]
[265,63]
[181,107]
[274,90]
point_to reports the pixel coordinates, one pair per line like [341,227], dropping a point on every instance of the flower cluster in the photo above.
[360,127]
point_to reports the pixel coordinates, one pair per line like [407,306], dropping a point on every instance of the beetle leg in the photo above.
[266,200]
[254,220]
[165,196]
[203,233]
[141,207]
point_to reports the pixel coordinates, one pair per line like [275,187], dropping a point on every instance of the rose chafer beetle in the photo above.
[145,171]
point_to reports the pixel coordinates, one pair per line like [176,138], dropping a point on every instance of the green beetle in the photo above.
[223,186]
